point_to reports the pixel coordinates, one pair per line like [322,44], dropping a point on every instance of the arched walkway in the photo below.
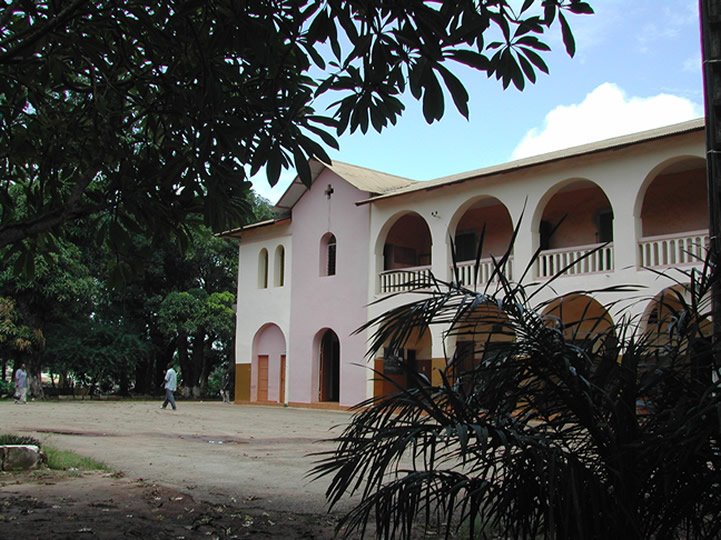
[406,253]
[576,221]
[481,338]
[582,319]
[400,366]
[487,220]
[673,230]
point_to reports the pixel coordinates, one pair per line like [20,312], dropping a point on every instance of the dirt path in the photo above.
[248,461]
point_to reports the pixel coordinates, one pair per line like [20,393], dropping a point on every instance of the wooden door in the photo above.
[262,377]
[281,399]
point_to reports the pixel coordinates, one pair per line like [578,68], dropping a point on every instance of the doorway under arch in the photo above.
[329,367]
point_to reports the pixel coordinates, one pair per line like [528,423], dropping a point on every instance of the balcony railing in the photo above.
[485,271]
[673,249]
[404,279]
[552,261]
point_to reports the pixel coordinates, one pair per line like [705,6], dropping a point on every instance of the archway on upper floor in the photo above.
[404,368]
[269,364]
[486,220]
[574,221]
[582,320]
[328,360]
[405,253]
[673,212]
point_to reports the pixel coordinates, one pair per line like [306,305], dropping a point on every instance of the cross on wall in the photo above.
[329,191]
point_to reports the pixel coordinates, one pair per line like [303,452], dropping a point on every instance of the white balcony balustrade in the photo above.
[404,279]
[673,249]
[485,271]
[589,259]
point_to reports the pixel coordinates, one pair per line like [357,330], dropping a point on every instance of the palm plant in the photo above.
[545,437]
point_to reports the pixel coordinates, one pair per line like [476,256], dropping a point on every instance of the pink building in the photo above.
[309,278]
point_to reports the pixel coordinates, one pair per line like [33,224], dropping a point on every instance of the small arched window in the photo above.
[263,269]
[328,255]
[279,272]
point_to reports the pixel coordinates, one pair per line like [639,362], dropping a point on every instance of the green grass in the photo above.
[65,460]
[58,460]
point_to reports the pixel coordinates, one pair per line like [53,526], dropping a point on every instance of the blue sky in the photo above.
[637,66]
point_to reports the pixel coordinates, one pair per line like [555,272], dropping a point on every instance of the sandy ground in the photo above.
[208,469]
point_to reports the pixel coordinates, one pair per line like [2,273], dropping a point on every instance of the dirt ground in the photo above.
[207,470]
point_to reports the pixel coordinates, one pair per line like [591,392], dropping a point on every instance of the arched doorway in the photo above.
[329,363]
[269,365]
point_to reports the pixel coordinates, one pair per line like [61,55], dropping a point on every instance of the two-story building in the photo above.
[309,278]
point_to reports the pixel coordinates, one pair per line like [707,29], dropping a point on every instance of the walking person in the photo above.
[170,383]
[21,385]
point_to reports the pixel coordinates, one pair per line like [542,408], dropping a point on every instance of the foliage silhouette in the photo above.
[575,426]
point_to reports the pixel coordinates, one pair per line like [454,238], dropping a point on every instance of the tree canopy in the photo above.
[139,116]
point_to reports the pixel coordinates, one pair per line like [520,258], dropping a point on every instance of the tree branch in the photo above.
[70,209]
[37,33]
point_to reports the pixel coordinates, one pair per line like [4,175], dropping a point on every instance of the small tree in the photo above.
[544,438]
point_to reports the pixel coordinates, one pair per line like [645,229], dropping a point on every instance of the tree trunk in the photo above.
[198,361]
[186,366]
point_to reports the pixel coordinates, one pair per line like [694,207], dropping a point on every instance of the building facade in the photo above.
[310,278]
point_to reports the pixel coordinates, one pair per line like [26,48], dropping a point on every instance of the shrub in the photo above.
[588,429]
[7,388]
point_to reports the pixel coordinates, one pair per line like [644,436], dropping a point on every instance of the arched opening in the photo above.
[328,249]
[406,254]
[405,367]
[676,331]
[674,231]
[488,221]
[329,364]
[576,226]
[279,274]
[668,309]
[263,269]
[582,320]
[268,381]
[481,338]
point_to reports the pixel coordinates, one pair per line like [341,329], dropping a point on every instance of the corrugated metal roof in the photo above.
[237,232]
[368,180]
[598,146]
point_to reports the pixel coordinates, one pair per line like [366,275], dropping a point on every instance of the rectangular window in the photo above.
[605,226]
[466,246]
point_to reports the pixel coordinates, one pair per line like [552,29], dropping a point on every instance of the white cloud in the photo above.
[605,112]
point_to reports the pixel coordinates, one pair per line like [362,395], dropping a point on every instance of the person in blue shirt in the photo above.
[170,383]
